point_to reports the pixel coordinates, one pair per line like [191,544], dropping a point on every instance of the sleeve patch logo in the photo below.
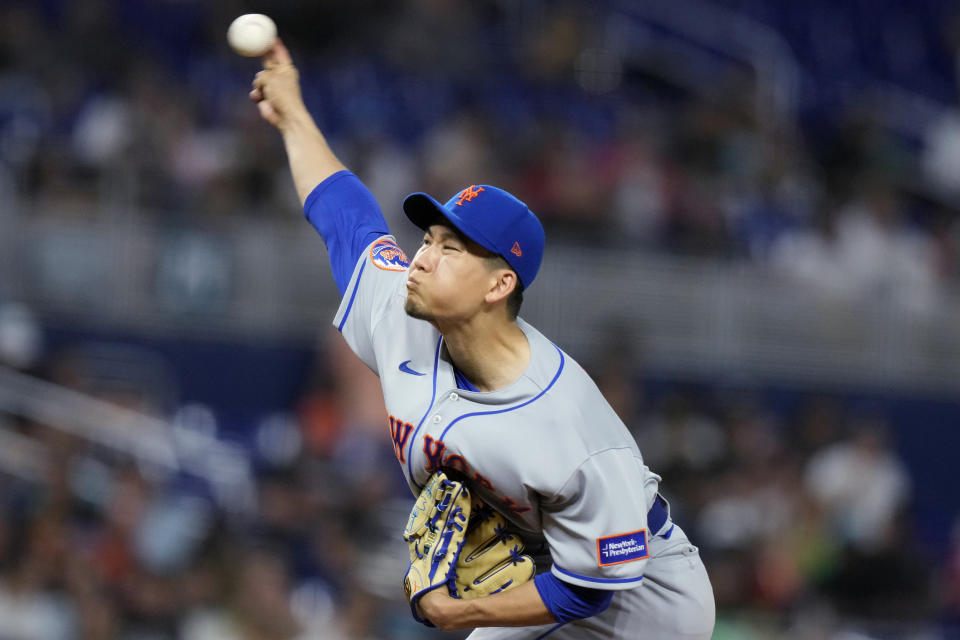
[386,255]
[623,547]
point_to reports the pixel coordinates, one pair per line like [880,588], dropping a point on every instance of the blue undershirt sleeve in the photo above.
[348,218]
[570,602]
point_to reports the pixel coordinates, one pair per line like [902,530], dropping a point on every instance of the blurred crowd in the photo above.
[96,542]
[803,512]
[111,106]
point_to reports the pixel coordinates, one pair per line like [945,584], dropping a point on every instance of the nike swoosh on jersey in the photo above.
[406,369]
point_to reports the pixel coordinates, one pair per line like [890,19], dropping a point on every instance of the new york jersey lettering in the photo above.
[457,462]
[510,505]
[434,452]
[399,433]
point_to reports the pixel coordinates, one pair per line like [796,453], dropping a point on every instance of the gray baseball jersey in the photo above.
[547,451]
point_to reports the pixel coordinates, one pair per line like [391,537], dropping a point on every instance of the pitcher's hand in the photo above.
[276,89]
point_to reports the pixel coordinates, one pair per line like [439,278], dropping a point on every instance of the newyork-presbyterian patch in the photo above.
[386,255]
[623,547]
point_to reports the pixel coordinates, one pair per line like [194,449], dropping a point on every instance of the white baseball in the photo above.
[252,34]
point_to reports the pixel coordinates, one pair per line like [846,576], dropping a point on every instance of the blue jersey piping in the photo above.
[523,404]
[433,396]
[353,295]
[597,580]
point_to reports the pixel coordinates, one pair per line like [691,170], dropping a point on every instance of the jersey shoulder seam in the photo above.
[583,462]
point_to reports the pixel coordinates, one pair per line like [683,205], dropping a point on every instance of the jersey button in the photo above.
[437,418]
[454,397]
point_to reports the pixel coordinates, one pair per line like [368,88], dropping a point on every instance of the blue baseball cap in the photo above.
[492,218]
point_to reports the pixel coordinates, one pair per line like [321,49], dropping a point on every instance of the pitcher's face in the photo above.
[448,277]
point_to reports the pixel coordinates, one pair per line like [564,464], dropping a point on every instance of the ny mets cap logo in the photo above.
[386,255]
[468,194]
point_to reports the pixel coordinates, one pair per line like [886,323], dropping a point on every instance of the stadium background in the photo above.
[754,248]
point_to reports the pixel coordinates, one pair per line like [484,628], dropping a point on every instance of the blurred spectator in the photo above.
[638,198]
[941,155]
[30,606]
[21,339]
[258,604]
[862,484]
[868,254]
[464,145]
[679,438]
[880,254]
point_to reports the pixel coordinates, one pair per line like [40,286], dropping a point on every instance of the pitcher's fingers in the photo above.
[267,112]
[278,55]
[256,95]
[259,80]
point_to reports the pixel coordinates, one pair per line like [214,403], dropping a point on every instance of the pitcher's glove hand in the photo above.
[491,560]
[434,534]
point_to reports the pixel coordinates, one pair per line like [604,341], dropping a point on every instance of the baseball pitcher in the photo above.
[535,514]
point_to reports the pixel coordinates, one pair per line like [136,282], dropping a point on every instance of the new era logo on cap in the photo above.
[491,217]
